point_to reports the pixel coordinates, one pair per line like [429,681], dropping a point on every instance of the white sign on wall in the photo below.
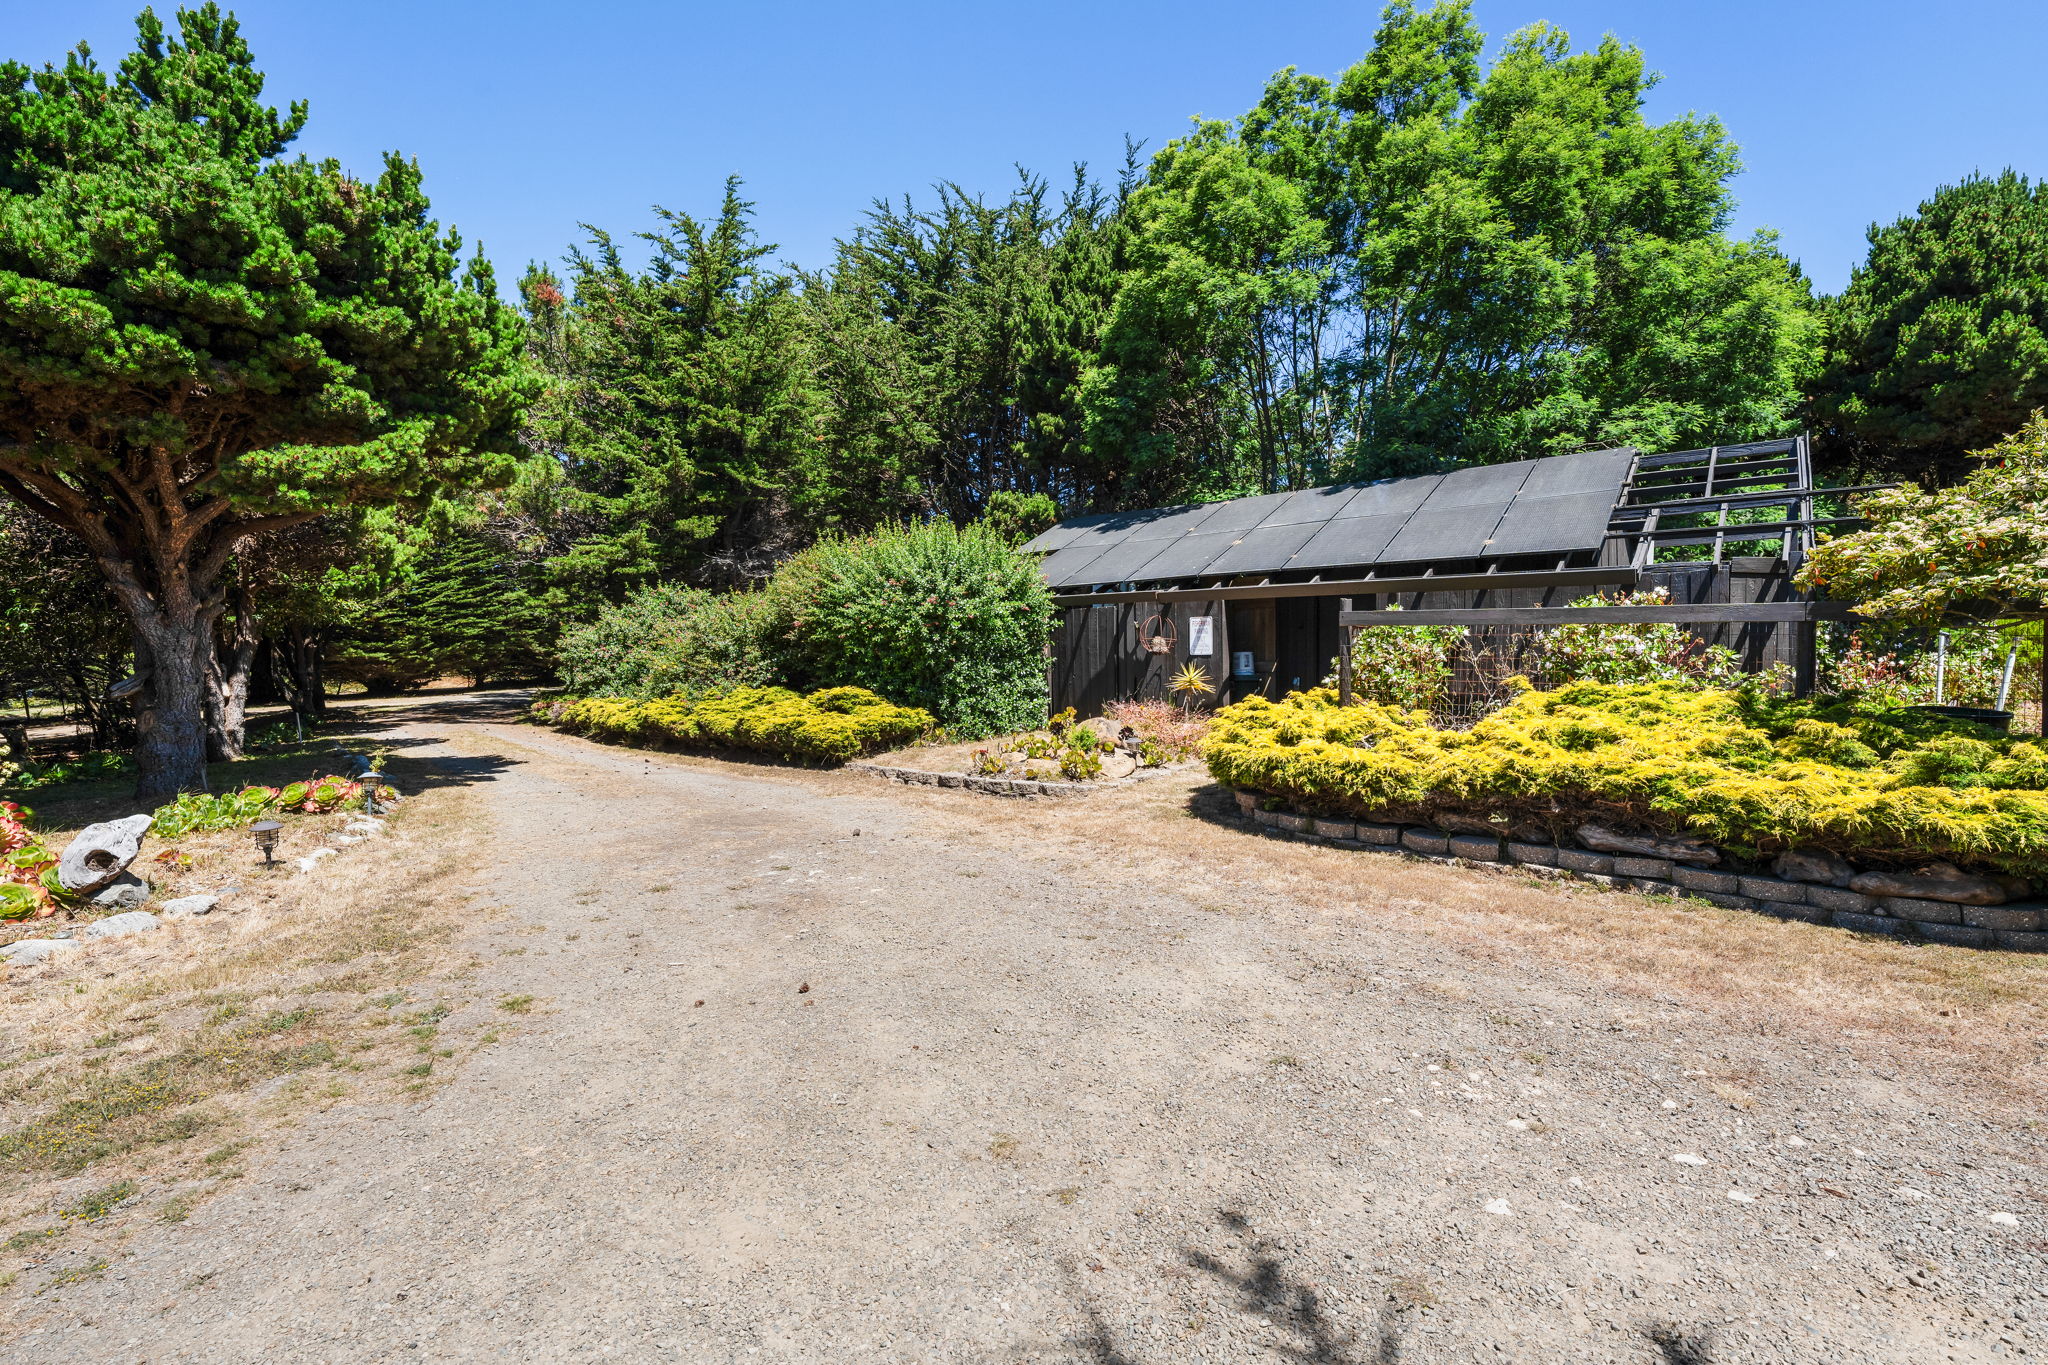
[1201,636]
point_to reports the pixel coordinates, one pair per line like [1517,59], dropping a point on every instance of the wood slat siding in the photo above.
[1097,660]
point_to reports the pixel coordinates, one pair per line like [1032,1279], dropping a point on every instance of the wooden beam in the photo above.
[1590,577]
[1675,613]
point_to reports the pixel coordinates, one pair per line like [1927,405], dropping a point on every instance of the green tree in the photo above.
[679,403]
[1423,263]
[202,341]
[1939,345]
[457,605]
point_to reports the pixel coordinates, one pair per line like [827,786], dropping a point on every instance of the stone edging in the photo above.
[1003,786]
[2015,926]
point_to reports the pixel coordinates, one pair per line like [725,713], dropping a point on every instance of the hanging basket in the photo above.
[1157,635]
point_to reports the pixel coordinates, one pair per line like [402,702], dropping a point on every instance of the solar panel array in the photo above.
[1555,505]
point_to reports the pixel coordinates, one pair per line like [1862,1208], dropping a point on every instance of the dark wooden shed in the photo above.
[1259,592]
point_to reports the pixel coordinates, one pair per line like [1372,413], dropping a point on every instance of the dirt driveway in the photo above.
[822,1069]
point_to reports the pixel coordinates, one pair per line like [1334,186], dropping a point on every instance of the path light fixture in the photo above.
[265,832]
[372,780]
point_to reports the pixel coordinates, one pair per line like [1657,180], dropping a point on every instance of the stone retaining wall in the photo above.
[2020,926]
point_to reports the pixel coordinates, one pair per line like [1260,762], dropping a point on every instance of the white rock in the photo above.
[1688,1159]
[365,828]
[1742,1196]
[2006,1220]
[120,926]
[1908,1192]
[345,838]
[29,951]
[189,905]
[312,860]
[101,852]
[1499,1207]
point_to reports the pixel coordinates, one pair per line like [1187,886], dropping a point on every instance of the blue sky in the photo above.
[530,118]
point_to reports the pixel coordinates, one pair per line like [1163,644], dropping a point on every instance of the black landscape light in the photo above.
[266,838]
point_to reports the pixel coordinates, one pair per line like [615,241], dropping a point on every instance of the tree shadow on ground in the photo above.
[1260,1282]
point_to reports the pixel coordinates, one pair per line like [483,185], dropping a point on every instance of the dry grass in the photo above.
[1974,1020]
[154,1066]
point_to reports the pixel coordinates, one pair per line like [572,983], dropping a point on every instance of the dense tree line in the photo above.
[279,430]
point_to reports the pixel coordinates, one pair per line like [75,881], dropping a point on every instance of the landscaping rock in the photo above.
[1679,850]
[188,905]
[125,892]
[1657,868]
[1813,865]
[1118,765]
[1293,824]
[1335,829]
[1533,855]
[312,860]
[1592,864]
[1384,835]
[1935,882]
[101,853]
[1725,901]
[2023,942]
[1699,879]
[366,829]
[29,951]
[1267,817]
[1247,801]
[1419,840]
[121,926]
[1483,848]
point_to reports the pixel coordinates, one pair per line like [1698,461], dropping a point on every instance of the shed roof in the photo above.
[1557,505]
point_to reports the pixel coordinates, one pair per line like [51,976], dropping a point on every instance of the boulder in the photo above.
[1464,824]
[120,926]
[1118,765]
[1674,848]
[188,905]
[125,892]
[1935,882]
[101,853]
[29,951]
[1813,865]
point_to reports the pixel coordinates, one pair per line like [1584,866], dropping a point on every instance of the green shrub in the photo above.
[950,620]
[830,726]
[1750,772]
[671,638]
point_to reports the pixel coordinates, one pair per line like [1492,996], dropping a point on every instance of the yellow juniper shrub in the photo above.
[1753,773]
[830,726]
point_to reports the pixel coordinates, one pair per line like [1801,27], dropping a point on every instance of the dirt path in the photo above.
[1043,1100]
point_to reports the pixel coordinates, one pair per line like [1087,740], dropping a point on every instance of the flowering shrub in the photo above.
[1405,666]
[1984,540]
[1750,772]
[828,726]
[1895,675]
[1623,652]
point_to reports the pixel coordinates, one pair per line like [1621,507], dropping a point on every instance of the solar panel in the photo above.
[1567,522]
[1262,550]
[1560,504]
[1445,533]
[1348,540]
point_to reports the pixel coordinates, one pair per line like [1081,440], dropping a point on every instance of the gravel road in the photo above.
[826,1070]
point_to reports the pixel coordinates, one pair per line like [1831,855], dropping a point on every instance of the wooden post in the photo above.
[1805,663]
[1345,635]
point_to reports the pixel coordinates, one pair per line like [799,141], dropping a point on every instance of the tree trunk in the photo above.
[176,648]
[298,657]
[227,697]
